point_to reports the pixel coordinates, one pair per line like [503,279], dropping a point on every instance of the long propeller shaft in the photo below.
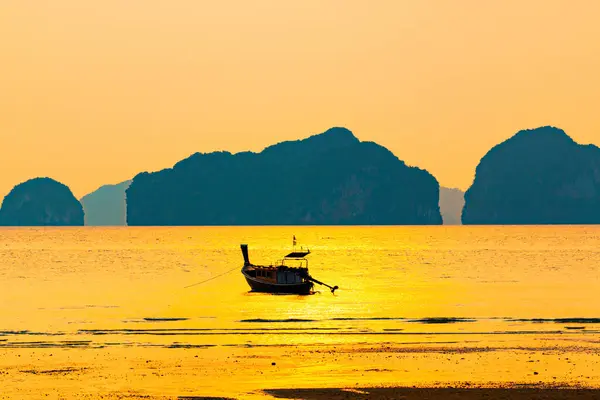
[333,288]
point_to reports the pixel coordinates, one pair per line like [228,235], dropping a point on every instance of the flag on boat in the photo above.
[294,240]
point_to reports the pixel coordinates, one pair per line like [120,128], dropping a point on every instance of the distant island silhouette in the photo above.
[452,202]
[41,202]
[106,205]
[329,178]
[539,176]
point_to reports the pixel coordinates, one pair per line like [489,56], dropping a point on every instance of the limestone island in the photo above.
[327,179]
[106,205]
[538,176]
[41,202]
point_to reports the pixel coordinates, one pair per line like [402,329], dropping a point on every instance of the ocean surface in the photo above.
[98,291]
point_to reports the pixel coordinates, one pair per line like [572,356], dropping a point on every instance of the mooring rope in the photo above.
[210,279]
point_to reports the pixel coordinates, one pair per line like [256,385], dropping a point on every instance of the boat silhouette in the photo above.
[281,277]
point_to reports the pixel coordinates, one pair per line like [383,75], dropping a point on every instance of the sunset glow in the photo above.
[95,92]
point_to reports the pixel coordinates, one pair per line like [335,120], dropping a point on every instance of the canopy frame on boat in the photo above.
[298,254]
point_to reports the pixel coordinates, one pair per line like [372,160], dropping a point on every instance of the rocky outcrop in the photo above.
[330,178]
[41,202]
[106,206]
[452,202]
[539,176]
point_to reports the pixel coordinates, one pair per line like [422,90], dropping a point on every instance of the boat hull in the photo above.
[293,288]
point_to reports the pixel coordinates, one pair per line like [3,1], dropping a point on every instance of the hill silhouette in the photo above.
[41,202]
[330,178]
[539,176]
[452,202]
[106,205]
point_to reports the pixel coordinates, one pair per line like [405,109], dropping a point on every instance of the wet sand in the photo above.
[436,393]
[255,372]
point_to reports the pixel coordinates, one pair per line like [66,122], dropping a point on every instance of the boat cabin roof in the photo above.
[275,267]
[298,254]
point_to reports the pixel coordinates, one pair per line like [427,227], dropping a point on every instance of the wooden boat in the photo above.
[281,277]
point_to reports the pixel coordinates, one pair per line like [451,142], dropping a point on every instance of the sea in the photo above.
[108,310]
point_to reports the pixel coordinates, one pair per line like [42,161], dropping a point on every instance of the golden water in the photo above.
[106,310]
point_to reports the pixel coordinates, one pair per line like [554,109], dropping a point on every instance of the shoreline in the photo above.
[508,392]
[351,371]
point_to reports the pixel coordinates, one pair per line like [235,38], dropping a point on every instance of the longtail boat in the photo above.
[281,277]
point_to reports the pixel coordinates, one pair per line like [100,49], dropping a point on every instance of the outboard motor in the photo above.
[245,253]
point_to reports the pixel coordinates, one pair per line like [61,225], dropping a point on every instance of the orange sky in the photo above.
[94,92]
